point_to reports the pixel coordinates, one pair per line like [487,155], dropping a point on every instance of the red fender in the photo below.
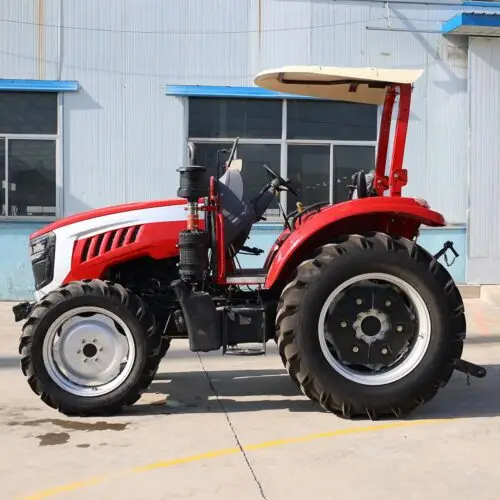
[393,215]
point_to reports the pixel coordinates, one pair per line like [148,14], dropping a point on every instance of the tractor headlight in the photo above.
[42,254]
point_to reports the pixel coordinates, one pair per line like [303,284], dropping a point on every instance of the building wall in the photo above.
[484,233]
[15,268]
[123,138]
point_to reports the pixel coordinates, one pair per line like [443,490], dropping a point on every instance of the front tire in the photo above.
[90,348]
[369,350]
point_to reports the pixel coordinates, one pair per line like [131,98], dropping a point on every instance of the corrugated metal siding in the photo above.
[484,231]
[124,137]
[18,39]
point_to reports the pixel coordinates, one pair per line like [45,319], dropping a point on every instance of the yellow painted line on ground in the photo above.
[58,490]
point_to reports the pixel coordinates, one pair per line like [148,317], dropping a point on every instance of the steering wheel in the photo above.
[281,182]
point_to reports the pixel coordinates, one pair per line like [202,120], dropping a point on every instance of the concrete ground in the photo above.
[183,439]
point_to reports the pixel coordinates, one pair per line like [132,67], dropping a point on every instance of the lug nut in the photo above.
[100,348]
[343,324]
[399,328]
[78,351]
[355,348]
[84,360]
[96,359]
[84,341]
[359,301]
[95,340]
[384,351]
[387,303]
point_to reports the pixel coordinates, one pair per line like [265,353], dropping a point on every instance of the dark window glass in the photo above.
[28,113]
[3,209]
[32,177]
[254,175]
[245,118]
[206,156]
[341,121]
[309,171]
[347,161]
[253,157]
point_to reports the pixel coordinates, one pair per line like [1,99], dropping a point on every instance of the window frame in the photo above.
[284,142]
[58,168]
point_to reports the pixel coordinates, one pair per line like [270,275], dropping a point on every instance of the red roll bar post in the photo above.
[398,176]
[381,181]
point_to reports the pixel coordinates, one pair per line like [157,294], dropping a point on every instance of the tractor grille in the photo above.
[100,244]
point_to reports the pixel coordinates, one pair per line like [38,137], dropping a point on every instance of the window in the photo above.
[249,118]
[28,145]
[317,144]
[341,121]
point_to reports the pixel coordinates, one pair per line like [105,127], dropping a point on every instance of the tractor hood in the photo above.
[100,212]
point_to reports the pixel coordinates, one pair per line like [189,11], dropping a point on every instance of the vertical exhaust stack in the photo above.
[193,242]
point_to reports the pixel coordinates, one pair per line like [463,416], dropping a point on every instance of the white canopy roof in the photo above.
[336,83]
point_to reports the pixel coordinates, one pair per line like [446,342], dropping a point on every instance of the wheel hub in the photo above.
[370,326]
[89,350]
[86,353]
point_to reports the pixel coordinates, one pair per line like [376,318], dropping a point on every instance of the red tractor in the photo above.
[367,322]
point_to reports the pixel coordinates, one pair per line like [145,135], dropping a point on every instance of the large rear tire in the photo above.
[362,349]
[90,348]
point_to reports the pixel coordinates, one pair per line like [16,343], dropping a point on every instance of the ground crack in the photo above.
[245,456]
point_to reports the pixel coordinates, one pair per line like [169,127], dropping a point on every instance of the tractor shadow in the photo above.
[266,390]
[228,391]
[460,399]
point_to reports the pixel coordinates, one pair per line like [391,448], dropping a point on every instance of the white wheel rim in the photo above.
[417,351]
[87,355]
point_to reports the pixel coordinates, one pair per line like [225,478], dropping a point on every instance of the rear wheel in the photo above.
[371,326]
[90,348]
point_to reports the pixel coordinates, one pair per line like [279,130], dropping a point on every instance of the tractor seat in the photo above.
[239,215]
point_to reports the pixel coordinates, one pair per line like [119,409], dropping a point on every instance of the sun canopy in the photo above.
[362,85]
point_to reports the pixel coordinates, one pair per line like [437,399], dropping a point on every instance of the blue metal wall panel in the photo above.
[226,91]
[430,239]
[38,85]
[16,278]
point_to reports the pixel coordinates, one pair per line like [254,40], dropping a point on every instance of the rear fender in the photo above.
[392,215]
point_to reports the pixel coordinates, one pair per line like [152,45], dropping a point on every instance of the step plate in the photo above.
[247,280]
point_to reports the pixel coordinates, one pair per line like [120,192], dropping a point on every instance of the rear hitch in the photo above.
[470,369]
[448,245]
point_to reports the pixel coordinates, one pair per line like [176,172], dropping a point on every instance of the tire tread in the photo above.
[157,345]
[309,271]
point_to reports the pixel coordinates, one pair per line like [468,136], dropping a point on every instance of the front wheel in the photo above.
[90,348]
[371,326]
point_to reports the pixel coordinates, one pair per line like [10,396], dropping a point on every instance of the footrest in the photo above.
[247,277]
[245,351]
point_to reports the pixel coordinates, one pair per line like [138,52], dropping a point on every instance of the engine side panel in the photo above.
[87,248]
[397,216]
